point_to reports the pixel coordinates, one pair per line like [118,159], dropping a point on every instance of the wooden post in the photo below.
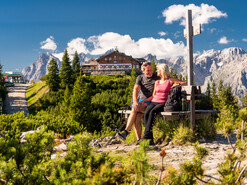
[242,130]
[189,32]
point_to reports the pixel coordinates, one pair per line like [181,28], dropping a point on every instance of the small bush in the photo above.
[164,130]
[183,135]
[206,128]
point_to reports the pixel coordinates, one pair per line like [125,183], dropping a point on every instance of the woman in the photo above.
[158,100]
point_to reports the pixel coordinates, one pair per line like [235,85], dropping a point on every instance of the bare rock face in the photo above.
[228,65]
[39,68]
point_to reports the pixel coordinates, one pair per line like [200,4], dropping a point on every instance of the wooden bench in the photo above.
[183,115]
[178,115]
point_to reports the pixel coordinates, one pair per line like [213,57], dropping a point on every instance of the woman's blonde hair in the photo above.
[164,70]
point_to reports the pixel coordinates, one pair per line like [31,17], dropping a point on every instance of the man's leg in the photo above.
[138,125]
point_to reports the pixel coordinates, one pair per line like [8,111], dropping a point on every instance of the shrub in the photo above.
[183,135]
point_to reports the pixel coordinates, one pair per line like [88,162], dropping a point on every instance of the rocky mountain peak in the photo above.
[233,51]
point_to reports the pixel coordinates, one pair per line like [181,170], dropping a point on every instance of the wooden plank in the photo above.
[177,112]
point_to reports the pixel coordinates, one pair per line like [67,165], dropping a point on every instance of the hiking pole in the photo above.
[117,131]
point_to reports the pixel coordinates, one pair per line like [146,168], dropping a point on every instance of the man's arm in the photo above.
[135,95]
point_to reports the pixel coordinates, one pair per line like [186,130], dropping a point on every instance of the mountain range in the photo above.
[228,65]
[39,67]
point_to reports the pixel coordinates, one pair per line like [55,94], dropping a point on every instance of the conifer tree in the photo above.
[66,101]
[180,77]
[208,95]
[245,100]
[230,100]
[75,66]
[215,99]
[133,76]
[154,65]
[80,104]
[65,73]
[221,95]
[53,79]
[1,73]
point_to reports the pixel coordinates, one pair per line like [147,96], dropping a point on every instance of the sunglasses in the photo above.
[147,64]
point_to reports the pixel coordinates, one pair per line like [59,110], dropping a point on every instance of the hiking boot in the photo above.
[123,135]
[151,142]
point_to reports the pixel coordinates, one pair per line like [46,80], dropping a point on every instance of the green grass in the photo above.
[35,92]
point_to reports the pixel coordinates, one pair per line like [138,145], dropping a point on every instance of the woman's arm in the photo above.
[176,81]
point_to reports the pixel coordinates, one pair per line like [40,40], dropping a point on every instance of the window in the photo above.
[115,62]
[105,58]
[110,58]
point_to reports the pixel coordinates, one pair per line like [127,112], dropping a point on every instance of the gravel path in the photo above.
[16,99]
[217,150]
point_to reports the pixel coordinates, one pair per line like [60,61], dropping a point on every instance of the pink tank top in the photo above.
[162,91]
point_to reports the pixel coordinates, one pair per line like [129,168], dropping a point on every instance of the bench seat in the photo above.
[177,115]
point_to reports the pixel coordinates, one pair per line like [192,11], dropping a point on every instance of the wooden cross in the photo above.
[189,32]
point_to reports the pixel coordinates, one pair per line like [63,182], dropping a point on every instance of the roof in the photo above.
[140,60]
[91,62]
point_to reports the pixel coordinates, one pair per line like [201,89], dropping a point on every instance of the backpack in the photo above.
[173,102]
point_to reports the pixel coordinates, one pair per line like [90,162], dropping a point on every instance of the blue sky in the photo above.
[137,27]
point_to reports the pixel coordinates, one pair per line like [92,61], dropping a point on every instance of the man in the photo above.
[143,90]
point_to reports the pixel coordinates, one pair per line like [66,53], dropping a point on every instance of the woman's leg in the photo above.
[148,133]
[146,114]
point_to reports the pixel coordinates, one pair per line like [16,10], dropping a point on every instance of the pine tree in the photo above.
[132,82]
[76,66]
[221,95]
[53,79]
[230,100]
[209,98]
[1,74]
[65,73]
[80,104]
[154,65]
[180,77]
[66,101]
[215,99]
[245,101]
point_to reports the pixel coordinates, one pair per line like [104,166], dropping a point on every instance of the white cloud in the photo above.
[177,34]
[58,55]
[212,30]
[162,33]
[77,44]
[162,48]
[203,14]
[244,39]
[99,44]
[223,40]
[49,44]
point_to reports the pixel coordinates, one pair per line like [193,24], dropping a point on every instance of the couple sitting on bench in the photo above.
[152,92]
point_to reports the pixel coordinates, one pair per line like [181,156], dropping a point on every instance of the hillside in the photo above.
[35,92]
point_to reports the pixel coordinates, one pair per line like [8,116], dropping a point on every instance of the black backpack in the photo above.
[174,99]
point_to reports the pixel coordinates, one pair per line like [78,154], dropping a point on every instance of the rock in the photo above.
[53,156]
[202,140]
[62,147]
[23,135]
[69,139]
